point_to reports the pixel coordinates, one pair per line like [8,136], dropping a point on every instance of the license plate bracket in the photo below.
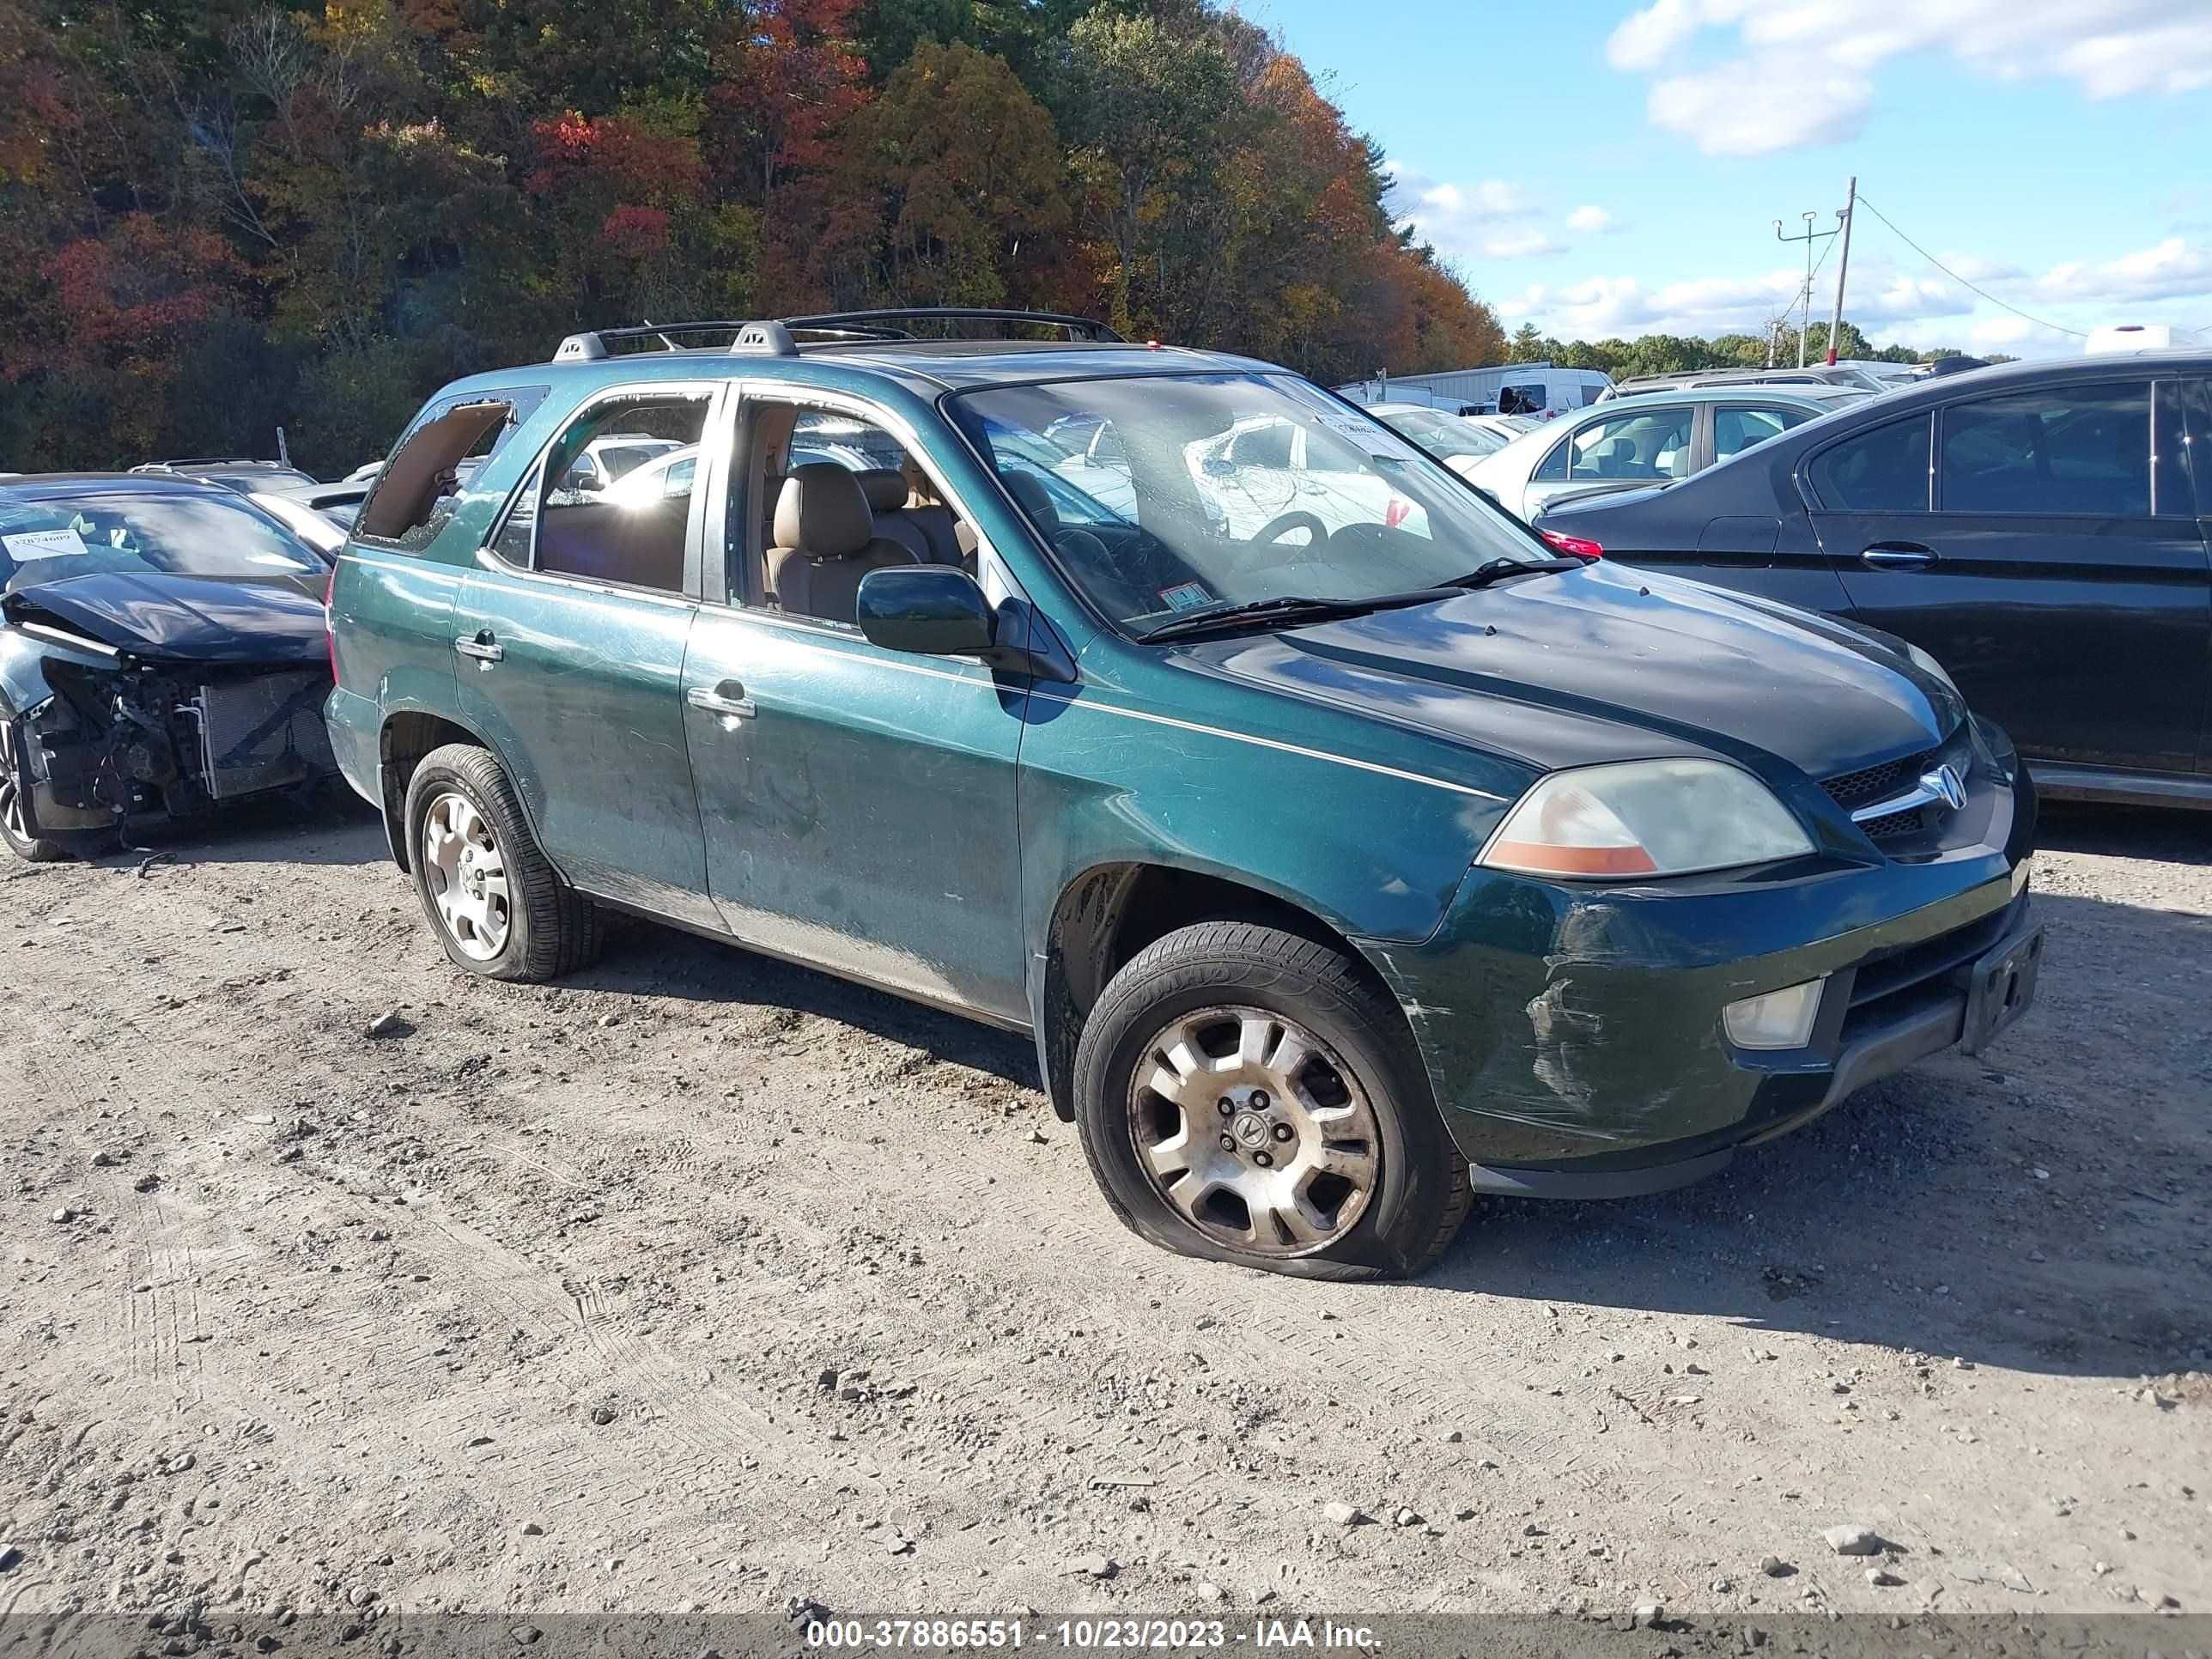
[2002,988]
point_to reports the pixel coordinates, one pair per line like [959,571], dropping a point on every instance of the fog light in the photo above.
[1780,1019]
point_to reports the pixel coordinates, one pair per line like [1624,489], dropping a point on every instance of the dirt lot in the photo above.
[706,1282]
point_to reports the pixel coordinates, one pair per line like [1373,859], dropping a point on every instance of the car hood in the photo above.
[1607,664]
[275,619]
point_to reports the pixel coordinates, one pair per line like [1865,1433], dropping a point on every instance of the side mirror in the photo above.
[931,610]
[591,484]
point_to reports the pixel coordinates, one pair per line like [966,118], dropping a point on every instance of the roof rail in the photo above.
[592,347]
[886,325]
[774,338]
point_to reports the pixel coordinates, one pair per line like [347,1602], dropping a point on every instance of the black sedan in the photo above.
[2039,528]
[162,650]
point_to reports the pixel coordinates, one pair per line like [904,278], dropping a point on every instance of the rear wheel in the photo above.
[498,908]
[15,820]
[1246,1095]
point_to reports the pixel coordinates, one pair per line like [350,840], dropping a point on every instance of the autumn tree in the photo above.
[965,165]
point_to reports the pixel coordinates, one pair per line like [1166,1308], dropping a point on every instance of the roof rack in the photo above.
[776,338]
[885,325]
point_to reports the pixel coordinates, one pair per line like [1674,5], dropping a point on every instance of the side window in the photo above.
[1737,428]
[1651,444]
[410,501]
[1552,469]
[590,521]
[1884,471]
[832,496]
[2174,491]
[2076,449]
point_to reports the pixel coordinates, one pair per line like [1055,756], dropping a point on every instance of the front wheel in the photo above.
[1245,1095]
[14,820]
[499,909]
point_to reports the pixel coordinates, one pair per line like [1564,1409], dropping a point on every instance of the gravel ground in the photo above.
[705,1283]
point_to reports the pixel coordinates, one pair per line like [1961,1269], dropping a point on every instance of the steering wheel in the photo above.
[1281,525]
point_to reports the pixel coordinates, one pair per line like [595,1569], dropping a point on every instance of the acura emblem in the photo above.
[1945,783]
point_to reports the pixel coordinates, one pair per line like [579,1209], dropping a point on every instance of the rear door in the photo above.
[2018,537]
[569,642]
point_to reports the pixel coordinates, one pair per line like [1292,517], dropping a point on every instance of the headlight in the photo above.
[1928,664]
[1662,818]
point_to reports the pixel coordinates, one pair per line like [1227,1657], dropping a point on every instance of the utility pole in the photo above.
[1844,263]
[1808,237]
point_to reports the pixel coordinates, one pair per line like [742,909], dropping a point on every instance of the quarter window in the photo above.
[1884,471]
[1736,429]
[1649,445]
[2076,449]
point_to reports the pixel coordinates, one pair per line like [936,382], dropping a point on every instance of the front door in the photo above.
[569,641]
[2069,606]
[858,803]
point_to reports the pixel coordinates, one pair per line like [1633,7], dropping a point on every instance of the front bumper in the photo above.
[1573,1037]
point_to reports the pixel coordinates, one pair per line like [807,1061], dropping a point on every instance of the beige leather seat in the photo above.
[825,541]
[886,492]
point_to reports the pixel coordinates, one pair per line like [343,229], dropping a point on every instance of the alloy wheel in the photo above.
[1254,1131]
[466,873]
[12,814]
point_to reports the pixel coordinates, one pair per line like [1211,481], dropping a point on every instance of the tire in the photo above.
[1235,993]
[544,928]
[32,849]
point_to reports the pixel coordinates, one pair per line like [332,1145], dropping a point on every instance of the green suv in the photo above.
[1345,851]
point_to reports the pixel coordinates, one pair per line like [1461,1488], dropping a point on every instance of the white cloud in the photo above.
[1742,108]
[2173,269]
[1519,245]
[1465,220]
[1592,221]
[1800,72]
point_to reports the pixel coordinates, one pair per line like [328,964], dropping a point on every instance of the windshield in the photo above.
[183,534]
[1443,434]
[1204,490]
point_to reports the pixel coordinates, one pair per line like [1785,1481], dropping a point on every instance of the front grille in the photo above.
[1894,824]
[1870,784]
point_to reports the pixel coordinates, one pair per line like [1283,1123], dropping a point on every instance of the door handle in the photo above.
[728,700]
[480,645]
[1898,556]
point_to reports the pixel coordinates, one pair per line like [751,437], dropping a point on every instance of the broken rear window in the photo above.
[414,493]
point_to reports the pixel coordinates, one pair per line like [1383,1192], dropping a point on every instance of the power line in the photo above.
[2039,322]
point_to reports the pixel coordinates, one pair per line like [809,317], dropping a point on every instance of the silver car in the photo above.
[1634,442]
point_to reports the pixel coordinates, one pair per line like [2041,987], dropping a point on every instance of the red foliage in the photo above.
[131,296]
[636,232]
[789,78]
[575,152]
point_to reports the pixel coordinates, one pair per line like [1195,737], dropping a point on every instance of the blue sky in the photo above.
[1617,168]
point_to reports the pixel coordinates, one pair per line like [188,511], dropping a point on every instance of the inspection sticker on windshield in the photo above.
[24,545]
[1185,596]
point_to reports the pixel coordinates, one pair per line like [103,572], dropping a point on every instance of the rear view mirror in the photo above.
[932,610]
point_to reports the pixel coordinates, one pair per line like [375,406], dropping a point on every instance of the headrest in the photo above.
[1029,490]
[823,511]
[885,487]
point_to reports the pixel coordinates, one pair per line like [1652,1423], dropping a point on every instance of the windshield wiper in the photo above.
[1283,607]
[1497,569]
